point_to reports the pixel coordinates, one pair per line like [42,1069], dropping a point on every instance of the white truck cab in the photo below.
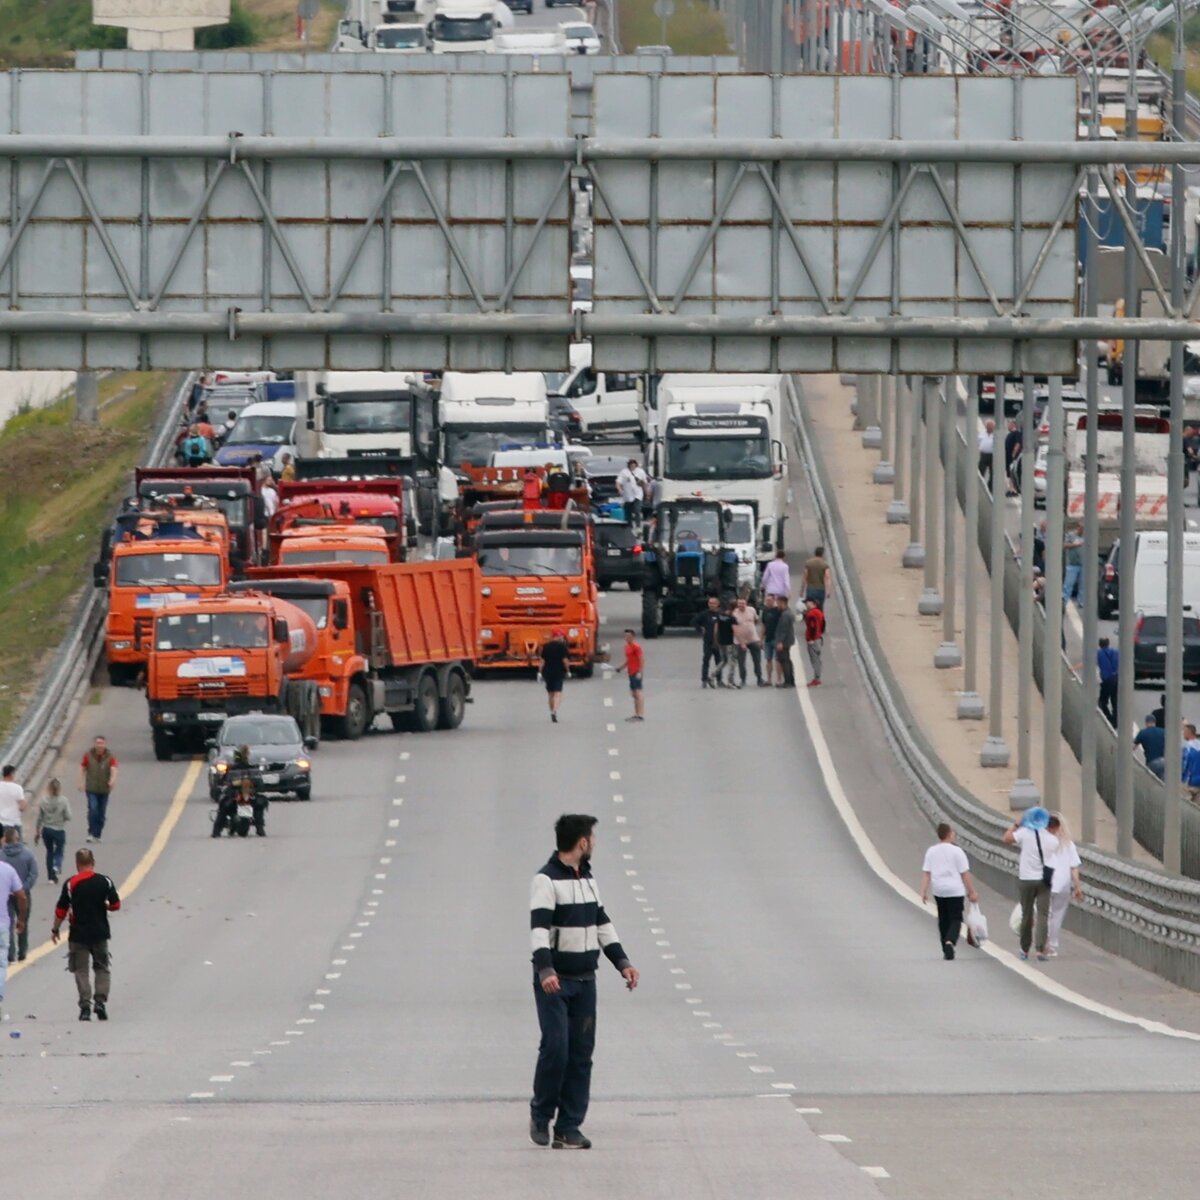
[480,412]
[463,27]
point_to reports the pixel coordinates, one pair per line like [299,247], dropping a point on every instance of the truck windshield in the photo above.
[462,29]
[404,37]
[305,557]
[476,446]
[234,507]
[148,570]
[316,608]
[261,430]
[531,560]
[211,631]
[693,525]
[740,528]
[690,457]
[370,414]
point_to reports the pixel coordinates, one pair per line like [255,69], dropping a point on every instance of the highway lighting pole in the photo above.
[1052,659]
[948,655]
[1172,816]
[914,552]
[1024,792]
[970,703]
[897,510]
[930,602]
[995,749]
[884,471]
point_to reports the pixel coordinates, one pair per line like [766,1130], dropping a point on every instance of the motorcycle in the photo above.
[238,809]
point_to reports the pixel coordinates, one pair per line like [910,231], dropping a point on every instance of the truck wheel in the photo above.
[164,746]
[651,617]
[118,675]
[453,705]
[425,710]
[353,722]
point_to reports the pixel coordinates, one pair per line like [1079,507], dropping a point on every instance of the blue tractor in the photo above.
[685,561]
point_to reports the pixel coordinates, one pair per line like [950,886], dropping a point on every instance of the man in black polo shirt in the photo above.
[87,898]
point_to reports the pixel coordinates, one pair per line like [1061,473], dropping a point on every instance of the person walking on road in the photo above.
[635,661]
[987,447]
[746,641]
[97,778]
[1153,742]
[1073,565]
[946,872]
[568,928]
[87,898]
[15,897]
[1035,870]
[1065,883]
[706,624]
[12,799]
[776,578]
[814,638]
[769,623]
[785,639]
[24,862]
[1013,443]
[1108,663]
[554,669]
[54,811]
[725,653]
[818,578]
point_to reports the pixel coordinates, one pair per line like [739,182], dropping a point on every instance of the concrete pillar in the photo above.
[161,24]
[87,411]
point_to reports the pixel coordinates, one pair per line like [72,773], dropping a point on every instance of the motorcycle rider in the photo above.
[238,788]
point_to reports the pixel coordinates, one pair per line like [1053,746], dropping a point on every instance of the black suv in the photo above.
[280,758]
[618,554]
[1150,647]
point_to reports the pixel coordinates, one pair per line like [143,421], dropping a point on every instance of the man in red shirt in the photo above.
[635,661]
[87,898]
[814,637]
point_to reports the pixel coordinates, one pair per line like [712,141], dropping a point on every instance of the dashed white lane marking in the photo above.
[401,778]
[260,1052]
[771,1096]
[306,1020]
[809,1112]
[626,837]
[630,871]
[833,1137]
[348,947]
[372,903]
[874,860]
[397,801]
[637,887]
[242,1062]
[357,935]
[614,774]
[293,1033]
[618,798]
[315,1008]
[612,729]
[385,861]
[697,1013]
[381,875]
[678,971]
[339,962]
[394,823]
[876,1172]
[390,842]
[784,1087]
[712,1024]
[619,820]
[220,1079]
[404,756]
[362,924]
[668,957]
[613,752]
[329,975]
[279,1043]
[377,891]
[608,702]
[761,1070]
[747,1054]
[200,1095]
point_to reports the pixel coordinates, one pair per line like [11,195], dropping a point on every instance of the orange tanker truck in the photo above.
[220,656]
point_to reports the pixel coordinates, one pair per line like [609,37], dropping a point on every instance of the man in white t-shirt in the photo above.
[1038,849]
[12,799]
[947,874]
[631,484]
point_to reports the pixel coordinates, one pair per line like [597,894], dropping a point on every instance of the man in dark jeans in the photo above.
[708,623]
[1108,664]
[569,928]
[87,898]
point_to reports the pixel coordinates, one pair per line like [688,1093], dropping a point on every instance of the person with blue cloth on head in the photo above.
[1108,663]
[1153,742]
[1034,873]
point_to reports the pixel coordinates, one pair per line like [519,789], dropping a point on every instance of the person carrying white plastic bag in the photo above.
[946,872]
[977,926]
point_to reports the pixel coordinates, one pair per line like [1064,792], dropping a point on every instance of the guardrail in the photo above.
[38,736]
[1138,912]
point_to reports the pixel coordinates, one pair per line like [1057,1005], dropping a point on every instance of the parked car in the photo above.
[1150,647]
[581,37]
[618,554]
[280,756]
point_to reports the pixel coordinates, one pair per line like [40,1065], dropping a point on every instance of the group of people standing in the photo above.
[735,634]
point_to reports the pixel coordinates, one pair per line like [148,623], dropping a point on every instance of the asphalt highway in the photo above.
[346,1005]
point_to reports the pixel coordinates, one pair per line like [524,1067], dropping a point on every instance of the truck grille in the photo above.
[209,689]
[542,613]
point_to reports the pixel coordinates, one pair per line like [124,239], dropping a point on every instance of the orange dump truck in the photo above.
[537,574]
[219,656]
[167,563]
[305,545]
[399,638]
[348,502]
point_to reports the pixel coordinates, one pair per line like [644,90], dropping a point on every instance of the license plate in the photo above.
[613,553]
[211,716]
[271,778]
[1162,649]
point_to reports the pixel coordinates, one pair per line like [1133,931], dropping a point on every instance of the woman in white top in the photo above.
[947,873]
[1066,863]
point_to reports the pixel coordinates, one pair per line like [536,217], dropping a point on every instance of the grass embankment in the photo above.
[62,482]
[1160,47]
[44,33]
[694,27]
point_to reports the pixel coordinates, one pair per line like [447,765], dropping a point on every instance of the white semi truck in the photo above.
[480,412]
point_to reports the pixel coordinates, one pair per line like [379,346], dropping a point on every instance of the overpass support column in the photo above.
[948,655]
[930,602]
[897,510]
[970,703]
[869,389]
[914,552]
[995,749]
[884,471]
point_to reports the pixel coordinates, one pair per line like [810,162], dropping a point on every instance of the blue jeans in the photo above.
[1073,584]
[97,813]
[563,1078]
[56,843]
[817,594]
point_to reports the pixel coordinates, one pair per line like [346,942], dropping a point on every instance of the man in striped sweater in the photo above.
[569,928]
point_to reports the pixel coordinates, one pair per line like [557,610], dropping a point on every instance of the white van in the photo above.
[1150,572]
[608,402]
[267,428]
[739,536]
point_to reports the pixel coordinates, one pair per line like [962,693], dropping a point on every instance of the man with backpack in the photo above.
[196,449]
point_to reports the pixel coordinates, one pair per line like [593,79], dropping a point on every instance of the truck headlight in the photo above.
[122,645]
[220,767]
[487,591]
[575,591]
[574,633]
[485,635]
[325,691]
